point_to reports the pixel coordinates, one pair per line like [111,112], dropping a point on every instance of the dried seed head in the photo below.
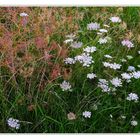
[71,116]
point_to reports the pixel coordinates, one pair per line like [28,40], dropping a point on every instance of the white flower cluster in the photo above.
[136,74]
[131,68]
[69,60]
[65,86]
[89,49]
[76,45]
[14,123]
[87,114]
[134,123]
[93,26]
[91,75]
[116,82]
[103,84]
[112,65]
[127,43]
[84,59]
[115,19]
[126,76]
[103,40]
[132,97]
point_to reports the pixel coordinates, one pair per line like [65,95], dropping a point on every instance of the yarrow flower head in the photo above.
[14,123]
[127,43]
[102,41]
[85,59]
[116,82]
[136,74]
[24,14]
[132,97]
[89,49]
[87,114]
[134,123]
[112,65]
[131,68]
[103,84]
[93,26]
[69,60]
[126,76]
[115,19]
[76,45]
[91,75]
[65,86]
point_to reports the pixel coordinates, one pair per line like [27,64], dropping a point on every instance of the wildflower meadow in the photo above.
[69,69]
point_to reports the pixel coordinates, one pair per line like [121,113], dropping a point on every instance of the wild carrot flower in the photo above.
[93,26]
[76,45]
[89,49]
[14,123]
[69,60]
[85,59]
[127,43]
[132,97]
[131,68]
[116,82]
[115,19]
[91,75]
[87,114]
[112,65]
[65,86]
[134,123]
[102,41]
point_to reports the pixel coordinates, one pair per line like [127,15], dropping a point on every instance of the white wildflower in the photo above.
[112,65]
[131,68]
[103,84]
[136,74]
[76,45]
[138,52]
[89,49]
[69,60]
[127,43]
[65,86]
[91,75]
[132,97]
[85,59]
[126,76]
[93,26]
[115,19]
[134,123]
[116,82]
[87,114]
[102,41]
[14,123]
